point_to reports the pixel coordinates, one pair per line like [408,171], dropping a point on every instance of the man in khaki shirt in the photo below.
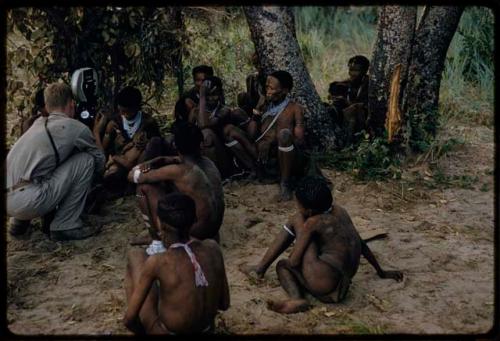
[51,167]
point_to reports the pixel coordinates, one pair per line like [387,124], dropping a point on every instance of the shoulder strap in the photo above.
[270,125]
[52,142]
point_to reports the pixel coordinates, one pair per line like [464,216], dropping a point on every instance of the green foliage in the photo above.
[477,34]
[421,128]
[374,159]
[329,36]
[129,45]
[467,87]
[442,180]
[219,38]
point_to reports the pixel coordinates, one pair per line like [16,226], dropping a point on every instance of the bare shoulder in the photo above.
[211,245]
[296,107]
[339,211]
[225,110]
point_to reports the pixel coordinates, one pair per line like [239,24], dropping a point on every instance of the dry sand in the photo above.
[442,239]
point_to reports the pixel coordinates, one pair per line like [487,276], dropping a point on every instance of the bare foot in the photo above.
[291,306]
[251,271]
[285,193]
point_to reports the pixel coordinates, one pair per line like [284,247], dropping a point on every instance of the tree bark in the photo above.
[176,58]
[396,29]
[432,40]
[278,49]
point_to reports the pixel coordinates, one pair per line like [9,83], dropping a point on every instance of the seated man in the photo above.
[192,96]
[125,137]
[256,85]
[211,115]
[51,167]
[350,118]
[277,129]
[192,284]
[189,173]
[337,95]
[356,112]
[326,254]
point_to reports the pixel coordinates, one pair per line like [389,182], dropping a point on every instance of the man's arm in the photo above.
[304,231]
[202,112]
[168,172]
[158,162]
[85,142]
[298,130]
[280,243]
[139,294]
[367,253]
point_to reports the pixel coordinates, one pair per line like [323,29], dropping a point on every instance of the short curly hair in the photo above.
[312,192]
[177,210]
[129,97]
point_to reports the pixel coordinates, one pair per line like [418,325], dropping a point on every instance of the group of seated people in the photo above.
[348,104]
[175,280]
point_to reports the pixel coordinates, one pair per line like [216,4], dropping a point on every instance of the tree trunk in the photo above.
[278,49]
[176,58]
[432,39]
[396,29]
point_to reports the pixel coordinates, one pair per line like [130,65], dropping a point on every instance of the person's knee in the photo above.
[285,137]
[83,163]
[144,189]
[282,264]
[228,131]
[208,138]
[155,143]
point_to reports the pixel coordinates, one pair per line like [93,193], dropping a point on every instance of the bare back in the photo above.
[195,183]
[339,243]
[183,307]
[214,177]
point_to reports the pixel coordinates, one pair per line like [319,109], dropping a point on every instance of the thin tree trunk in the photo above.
[278,49]
[396,29]
[176,59]
[432,40]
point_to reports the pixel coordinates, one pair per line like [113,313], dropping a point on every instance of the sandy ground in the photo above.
[442,239]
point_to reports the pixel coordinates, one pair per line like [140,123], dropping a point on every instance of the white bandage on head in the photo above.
[232,143]
[155,247]
[137,174]
[287,229]
[286,149]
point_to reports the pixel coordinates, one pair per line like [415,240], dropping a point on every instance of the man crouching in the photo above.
[192,283]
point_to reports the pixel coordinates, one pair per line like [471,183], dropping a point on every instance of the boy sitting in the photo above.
[125,136]
[326,254]
[192,283]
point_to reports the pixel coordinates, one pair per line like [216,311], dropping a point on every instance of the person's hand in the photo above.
[203,88]
[112,129]
[256,112]
[395,275]
[134,325]
[100,123]
[145,167]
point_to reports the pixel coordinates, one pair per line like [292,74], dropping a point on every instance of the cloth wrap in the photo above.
[199,276]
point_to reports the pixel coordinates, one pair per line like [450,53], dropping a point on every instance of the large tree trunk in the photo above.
[273,33]
[432,39]
[396,29]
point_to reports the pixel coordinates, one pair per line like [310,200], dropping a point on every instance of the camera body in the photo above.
[84,87]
